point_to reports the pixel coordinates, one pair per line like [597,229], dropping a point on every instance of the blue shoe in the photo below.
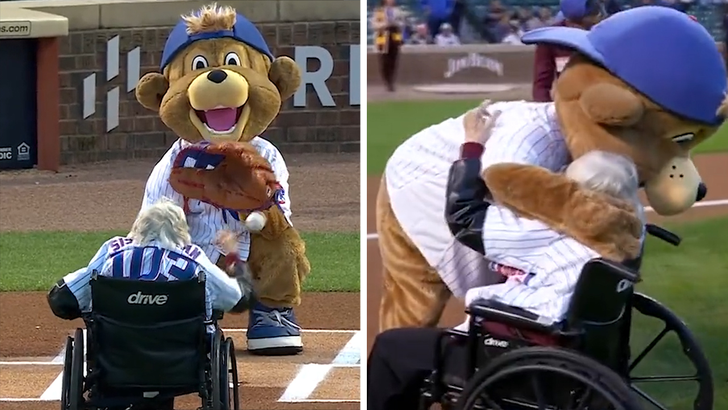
[273,332]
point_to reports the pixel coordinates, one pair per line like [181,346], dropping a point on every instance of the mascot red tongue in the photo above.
[221,119]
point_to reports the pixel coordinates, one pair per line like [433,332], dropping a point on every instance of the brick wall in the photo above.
[141,134]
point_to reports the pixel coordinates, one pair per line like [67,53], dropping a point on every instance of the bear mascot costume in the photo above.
[218,89]
[648,83]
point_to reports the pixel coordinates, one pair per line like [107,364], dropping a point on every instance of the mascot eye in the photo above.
[199,62]
[683,138]
[232,59]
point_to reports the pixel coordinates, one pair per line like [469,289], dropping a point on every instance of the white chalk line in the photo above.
[9,399]
[325,401]
[350,354]
[702,204]
[31,364]
[58,360]
[53,392]
[348,357]
[309,376]
[302,331]
[26,399]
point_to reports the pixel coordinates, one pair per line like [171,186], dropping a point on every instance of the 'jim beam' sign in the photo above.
[473,60]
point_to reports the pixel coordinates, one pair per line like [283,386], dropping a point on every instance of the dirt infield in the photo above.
[712,167]
[107,196]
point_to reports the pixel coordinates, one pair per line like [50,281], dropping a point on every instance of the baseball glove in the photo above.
[231,175]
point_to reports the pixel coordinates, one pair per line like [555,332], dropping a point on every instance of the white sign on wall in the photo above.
[133,66]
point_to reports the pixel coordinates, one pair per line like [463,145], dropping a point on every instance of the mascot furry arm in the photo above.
[599,221]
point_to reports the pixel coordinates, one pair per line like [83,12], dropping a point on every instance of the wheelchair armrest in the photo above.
[217,315]
[494,311]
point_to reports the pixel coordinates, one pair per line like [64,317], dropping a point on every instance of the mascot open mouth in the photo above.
[220,123]
[220,120]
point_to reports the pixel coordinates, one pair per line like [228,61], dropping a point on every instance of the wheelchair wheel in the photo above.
[75,382]
[546,378]
[229,377]
[66,379]
[649,307]
[216,363]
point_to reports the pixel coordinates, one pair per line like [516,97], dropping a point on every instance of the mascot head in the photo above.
[218,79]
[648,83]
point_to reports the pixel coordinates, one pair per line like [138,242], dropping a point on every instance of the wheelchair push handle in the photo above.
[662,233]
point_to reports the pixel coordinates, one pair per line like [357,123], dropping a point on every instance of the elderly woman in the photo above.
[540,266]
[160,241]
[159,249]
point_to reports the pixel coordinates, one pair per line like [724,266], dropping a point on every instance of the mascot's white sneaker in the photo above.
[273,332]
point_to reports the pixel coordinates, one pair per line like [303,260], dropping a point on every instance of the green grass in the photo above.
[36,260]
[390,123]
[691,281]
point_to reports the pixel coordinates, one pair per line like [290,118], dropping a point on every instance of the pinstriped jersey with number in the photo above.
[416,177]
[119,257]
[206,220]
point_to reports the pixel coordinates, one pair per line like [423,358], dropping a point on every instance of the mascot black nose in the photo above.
[702,192]
[216,76]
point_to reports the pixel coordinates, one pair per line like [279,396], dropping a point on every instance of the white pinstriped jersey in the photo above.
[206,220]
[416,176]
[119,257]
[550,264]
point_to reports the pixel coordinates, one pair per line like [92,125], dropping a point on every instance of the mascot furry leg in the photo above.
[283,268]
[414,294]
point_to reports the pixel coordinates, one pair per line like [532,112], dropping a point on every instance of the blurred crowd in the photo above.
[394,23]
[452,22]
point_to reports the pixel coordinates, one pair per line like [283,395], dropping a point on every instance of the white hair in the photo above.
[612,174]
[163,222]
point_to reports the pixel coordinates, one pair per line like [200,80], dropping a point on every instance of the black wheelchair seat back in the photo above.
[598,307]
[148,336]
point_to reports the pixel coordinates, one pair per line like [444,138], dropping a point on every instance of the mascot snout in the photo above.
[676,188]
[218,104]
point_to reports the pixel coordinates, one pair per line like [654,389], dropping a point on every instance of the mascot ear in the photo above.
[610,104]
[151,89]
[286,76]
[723,109]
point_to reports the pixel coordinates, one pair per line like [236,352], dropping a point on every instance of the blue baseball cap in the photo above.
[243,30]
[661,52]
[578,9]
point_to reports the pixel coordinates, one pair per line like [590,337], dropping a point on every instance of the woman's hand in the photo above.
[228,243]
[479,123]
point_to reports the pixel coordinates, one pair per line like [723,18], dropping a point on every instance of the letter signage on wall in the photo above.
[317,79]
[473,60]
[133,67]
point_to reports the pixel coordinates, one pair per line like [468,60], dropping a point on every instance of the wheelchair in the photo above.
[516,360]
[147,343]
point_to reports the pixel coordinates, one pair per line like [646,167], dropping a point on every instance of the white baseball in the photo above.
[255,222]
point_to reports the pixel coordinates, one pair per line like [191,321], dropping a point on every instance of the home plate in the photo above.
[472,88]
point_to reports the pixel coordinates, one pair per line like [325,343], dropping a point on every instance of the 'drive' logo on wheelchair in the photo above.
[489,341]
[623,285]
[141,299]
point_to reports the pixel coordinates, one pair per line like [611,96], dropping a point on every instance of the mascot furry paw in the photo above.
[647,83]
[218,89]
